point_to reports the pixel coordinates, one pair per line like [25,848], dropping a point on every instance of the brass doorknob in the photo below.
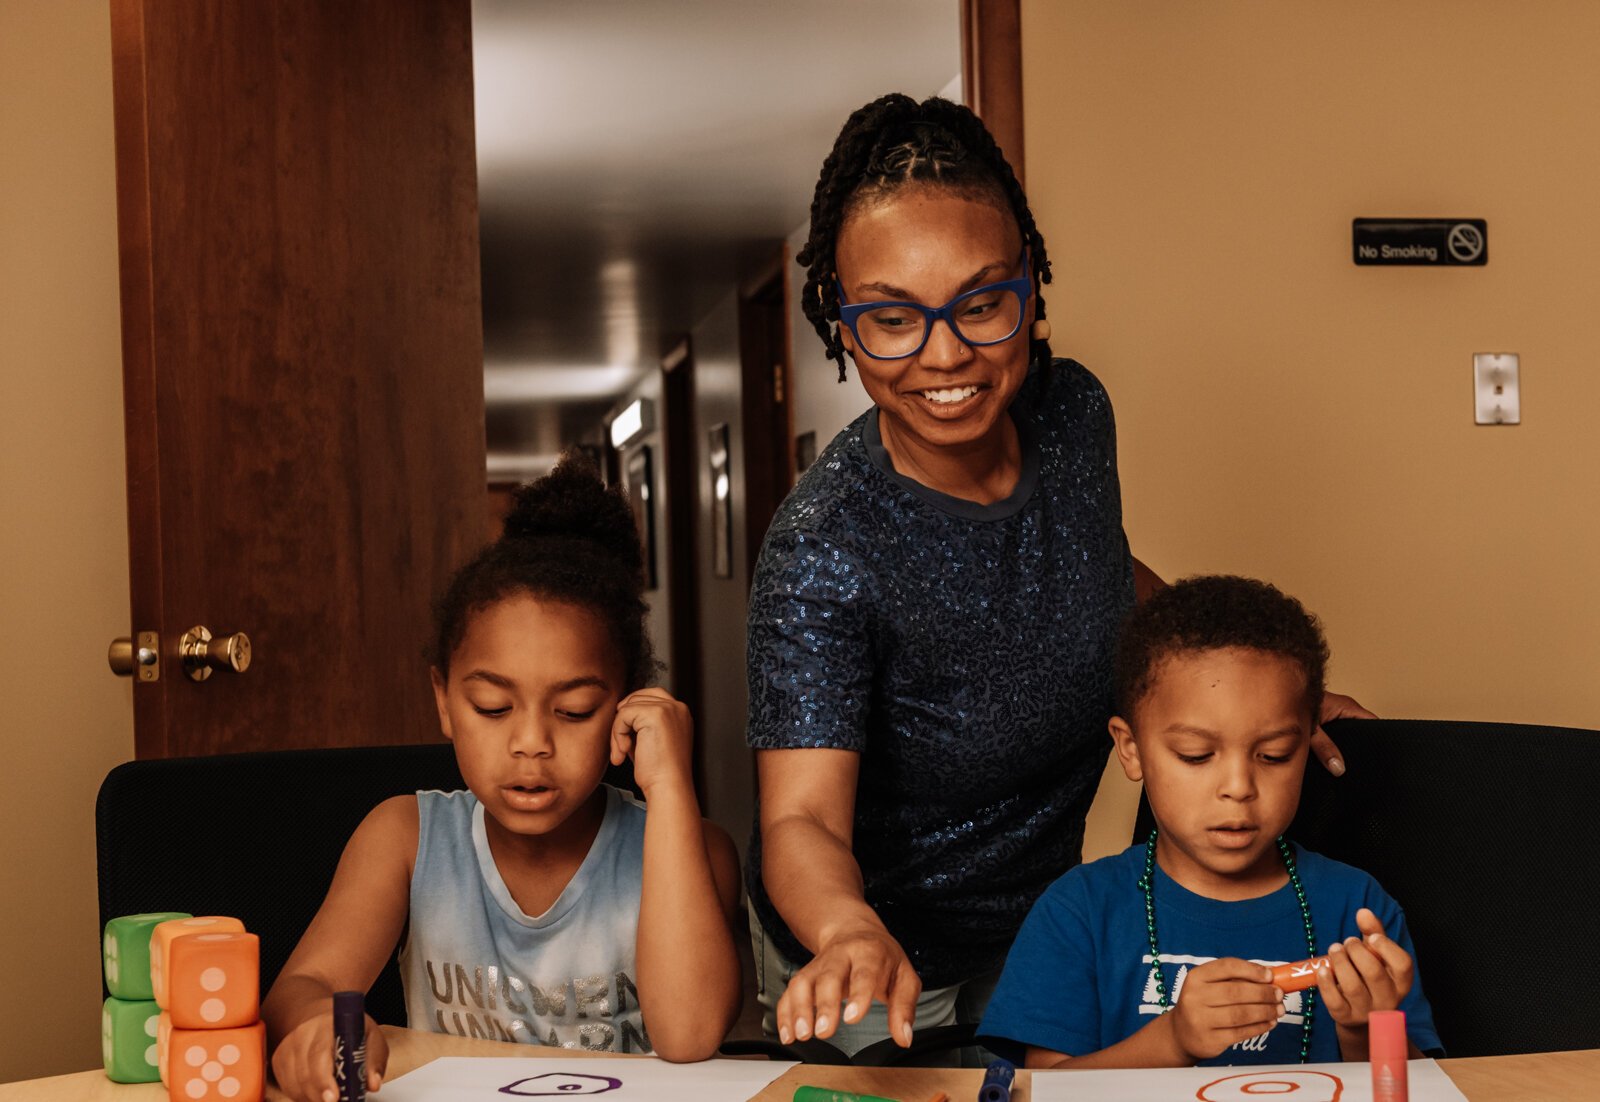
[201,653]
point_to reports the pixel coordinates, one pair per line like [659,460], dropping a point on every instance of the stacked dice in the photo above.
[129,1019]
[200,1015]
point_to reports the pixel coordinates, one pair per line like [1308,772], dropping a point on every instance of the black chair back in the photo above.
[254,836]
[1484,833]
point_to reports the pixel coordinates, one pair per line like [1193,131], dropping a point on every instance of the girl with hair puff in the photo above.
[540,905]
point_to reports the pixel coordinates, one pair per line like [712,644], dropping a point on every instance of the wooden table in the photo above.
[1542,1077]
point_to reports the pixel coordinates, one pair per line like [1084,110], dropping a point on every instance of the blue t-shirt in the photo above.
[1079,977]
[964,651]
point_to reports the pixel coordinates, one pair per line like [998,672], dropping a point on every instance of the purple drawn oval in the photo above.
[562,1084]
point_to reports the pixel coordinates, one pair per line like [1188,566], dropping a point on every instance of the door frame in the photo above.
[680,461]
[765,399]
[991,72]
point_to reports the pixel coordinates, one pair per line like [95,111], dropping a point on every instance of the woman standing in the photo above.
[933,614]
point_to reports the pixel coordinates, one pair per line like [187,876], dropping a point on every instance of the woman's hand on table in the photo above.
[1335,706]
[854,967]
[808,800]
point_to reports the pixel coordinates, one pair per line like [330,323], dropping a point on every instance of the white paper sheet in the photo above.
[1280,1083]
[505,1079]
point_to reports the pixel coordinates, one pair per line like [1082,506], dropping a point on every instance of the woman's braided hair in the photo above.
[890,143]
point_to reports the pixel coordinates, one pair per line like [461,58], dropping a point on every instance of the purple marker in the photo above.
[997,1082]
[350,1045]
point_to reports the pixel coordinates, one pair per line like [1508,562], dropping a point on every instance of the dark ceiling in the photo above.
[637,157]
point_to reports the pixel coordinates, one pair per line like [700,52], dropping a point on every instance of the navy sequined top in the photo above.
[964,651]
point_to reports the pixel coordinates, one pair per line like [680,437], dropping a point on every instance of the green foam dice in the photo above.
[125,954]
[128,1040]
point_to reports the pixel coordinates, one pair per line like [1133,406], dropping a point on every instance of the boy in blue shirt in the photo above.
[1161,956]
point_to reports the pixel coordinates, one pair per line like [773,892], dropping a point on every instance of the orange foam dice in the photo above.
[161,938]
[163,1040]
[218,1065]
[214,980]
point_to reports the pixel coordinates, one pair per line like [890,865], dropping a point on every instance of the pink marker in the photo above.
[1387,1048]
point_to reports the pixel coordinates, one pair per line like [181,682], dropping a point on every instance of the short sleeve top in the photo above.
[475,965]
[964,651]
[1080,978]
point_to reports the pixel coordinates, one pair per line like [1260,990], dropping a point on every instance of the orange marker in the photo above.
[1297,976]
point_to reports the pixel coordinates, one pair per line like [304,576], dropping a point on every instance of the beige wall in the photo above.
[1283,413]
[63,522]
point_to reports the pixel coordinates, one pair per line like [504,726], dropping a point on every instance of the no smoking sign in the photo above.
[1428,242]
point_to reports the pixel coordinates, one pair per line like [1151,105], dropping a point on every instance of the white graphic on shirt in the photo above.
[1150,1003]
[537,1015]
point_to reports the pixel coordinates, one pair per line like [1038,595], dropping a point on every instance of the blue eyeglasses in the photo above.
[990,314]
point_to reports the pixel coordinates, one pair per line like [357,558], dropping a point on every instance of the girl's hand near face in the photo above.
[1363,974]
[690,889]
[657,732]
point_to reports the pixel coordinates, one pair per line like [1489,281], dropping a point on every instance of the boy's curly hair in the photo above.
[1211,612]
[568,538]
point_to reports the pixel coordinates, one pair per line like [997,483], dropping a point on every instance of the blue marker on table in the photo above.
[997,1082]
[350,1045]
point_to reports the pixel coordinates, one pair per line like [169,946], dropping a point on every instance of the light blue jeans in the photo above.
[962,1002]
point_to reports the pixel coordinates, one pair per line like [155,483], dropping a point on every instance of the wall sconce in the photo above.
[638,418]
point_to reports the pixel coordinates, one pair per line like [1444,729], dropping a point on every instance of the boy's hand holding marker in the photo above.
[1362,975]
[1229,1000]
[1223,1002]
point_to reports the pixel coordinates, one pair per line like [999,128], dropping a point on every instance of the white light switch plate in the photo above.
[1497,385]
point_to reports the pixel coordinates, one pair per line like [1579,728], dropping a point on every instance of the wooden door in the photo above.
[302,349]
[680,432]
[764,399]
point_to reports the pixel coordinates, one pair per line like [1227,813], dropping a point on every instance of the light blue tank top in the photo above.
[475,965]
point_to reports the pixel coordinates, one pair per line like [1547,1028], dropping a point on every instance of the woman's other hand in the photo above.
[1335,706]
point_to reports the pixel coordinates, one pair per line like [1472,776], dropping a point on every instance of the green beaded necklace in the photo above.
[1147,886]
